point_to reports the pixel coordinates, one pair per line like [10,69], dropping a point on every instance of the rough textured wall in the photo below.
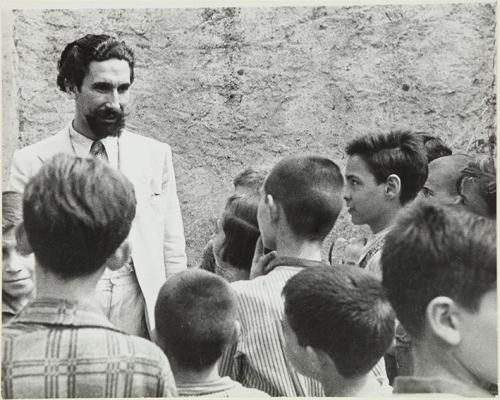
[231,87]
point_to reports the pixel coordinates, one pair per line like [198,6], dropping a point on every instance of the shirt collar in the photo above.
[49,311]
[81,145]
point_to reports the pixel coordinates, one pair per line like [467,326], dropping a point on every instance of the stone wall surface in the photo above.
[233,87]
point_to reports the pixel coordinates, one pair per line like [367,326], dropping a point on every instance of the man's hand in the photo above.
[260,262]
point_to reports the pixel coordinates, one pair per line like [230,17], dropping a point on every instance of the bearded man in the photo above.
[98,71]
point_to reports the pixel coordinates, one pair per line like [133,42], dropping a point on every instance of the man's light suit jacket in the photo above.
[157,234]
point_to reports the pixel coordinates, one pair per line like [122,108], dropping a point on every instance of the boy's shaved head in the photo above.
[195,318]
[309,189]
[444,173]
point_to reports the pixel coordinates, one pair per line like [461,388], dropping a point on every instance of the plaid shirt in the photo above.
[56,348]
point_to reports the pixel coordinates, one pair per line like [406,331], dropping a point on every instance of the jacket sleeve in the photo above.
[20,172]
[174,245]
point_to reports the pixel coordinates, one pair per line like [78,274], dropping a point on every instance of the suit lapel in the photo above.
[58,143]
[129,153]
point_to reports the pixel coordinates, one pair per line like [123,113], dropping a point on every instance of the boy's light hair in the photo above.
[251,178]
[77,212]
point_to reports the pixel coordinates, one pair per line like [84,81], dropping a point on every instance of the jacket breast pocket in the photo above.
[156,202]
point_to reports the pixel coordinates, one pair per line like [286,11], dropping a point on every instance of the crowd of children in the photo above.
[411,310]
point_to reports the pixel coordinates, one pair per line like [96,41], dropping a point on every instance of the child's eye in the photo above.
[23,251]
[427,192]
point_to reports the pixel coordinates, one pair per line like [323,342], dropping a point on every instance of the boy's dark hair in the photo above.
[76,57]
[399,152]
[436,250]
[241,230]
[77,212]
[309,189]
[342,311]
[195,318]
[434,146]
[251,178]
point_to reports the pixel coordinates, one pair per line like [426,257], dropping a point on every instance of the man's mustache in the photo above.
[110,113]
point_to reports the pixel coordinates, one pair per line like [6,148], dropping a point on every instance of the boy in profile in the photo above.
[384,172]
[195,321]
[337,325]
[440,275]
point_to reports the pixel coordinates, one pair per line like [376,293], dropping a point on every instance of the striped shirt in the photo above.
[56,348]
[258,359]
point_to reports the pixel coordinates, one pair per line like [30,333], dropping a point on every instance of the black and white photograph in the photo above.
[225,199]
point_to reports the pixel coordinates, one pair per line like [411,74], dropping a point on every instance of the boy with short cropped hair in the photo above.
[195,321]
[384,172]
[444,175]
[440,275]
[300,201]
[337,325]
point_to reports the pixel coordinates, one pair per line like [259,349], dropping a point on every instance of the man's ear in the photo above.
[393,186]
[70,89]
[443,320]
[273,207]
[120,257]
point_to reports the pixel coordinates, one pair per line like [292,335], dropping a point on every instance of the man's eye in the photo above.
[101,88]
[123,88]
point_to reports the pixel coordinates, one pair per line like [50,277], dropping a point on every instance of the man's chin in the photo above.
[103,131]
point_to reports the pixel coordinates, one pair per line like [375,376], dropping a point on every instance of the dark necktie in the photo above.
[99,151]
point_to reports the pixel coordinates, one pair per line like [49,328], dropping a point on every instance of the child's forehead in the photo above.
[9,235]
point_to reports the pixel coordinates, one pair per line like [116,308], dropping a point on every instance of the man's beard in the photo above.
[106,122]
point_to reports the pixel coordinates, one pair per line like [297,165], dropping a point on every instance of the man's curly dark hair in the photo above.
[76,57]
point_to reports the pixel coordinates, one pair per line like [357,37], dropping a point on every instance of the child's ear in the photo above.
[443,320]
[237,331]
[318,361]
[393,186]
[120,257]
[273,207]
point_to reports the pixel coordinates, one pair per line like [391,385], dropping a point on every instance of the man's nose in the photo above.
[114,100]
